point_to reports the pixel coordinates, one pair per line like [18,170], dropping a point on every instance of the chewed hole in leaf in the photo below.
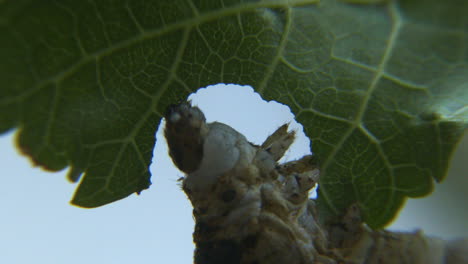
[244,110]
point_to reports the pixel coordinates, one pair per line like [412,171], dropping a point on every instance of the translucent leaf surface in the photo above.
[381,88]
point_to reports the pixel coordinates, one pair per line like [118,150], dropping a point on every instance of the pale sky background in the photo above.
[38,225]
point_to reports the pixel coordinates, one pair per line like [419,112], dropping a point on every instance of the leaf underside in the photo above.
[381,89]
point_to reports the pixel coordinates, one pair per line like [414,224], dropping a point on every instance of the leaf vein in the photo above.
[396,25]
[132,16]
[279,53]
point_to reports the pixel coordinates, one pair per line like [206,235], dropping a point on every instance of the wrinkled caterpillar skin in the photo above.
[243,208]
[249,209]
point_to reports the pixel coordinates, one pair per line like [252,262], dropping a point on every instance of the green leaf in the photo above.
[381,88]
